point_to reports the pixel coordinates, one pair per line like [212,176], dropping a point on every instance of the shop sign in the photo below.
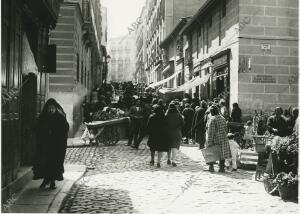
[220,61]
[264,79]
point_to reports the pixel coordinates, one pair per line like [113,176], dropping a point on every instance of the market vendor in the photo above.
[136,114]
[276,124]
[291,121]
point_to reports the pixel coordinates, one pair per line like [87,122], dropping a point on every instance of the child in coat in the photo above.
[249,132]
[234,148]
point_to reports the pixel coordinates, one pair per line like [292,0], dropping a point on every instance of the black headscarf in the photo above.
[53,102]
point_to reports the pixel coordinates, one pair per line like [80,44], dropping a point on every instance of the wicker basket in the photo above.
[270,187]
[288,192]
[260,142]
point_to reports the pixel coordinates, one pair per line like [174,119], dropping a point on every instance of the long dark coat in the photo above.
[175,124]
[199,126]
[188,114]
[157,129]
[52,134]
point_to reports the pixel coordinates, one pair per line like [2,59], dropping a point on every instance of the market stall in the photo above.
[108,127]
[282,168]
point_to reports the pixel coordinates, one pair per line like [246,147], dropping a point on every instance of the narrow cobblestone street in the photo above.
[119,179]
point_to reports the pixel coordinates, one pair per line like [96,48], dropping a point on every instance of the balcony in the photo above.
[46,10]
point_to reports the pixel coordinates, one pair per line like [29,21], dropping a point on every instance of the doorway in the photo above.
[28,118]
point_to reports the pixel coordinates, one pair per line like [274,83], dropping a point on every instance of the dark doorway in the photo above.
[28,118]
[220,85]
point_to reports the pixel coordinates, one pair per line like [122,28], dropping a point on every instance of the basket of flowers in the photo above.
[287,185]
[286,149]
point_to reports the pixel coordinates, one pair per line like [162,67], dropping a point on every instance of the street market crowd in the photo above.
[188,120]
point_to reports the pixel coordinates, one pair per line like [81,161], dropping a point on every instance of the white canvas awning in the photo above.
[164,80]
[193,83]
[29,64]
[165,90]
[166,69]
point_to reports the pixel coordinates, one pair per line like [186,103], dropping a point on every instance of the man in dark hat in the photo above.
[276,124]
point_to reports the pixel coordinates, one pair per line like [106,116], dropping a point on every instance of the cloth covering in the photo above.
[157,129]
[199,126]
[188,114]
[174,128]
[52,134]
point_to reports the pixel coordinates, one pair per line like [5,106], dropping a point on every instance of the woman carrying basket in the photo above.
[217,135]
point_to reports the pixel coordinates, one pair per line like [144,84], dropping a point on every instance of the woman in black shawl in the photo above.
[158,138]
[52,134]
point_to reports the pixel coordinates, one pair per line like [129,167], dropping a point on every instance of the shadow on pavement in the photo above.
[99,200]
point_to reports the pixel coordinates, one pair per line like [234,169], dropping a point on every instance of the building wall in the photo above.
[122,65]
[275,24]
[24,39]
[69,84]
[205,40]
[171,12]
[104,25]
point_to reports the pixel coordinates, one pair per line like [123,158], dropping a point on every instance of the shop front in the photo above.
[221,75]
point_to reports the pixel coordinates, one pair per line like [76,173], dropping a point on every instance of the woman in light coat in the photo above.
[217,135]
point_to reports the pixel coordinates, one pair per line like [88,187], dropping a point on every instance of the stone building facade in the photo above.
[79,56]
[249,50]
[104,26]
[268,42]
[140,34]
[122,51]
[161,18]
[25,64]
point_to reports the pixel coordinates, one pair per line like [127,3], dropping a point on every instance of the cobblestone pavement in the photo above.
[120,180]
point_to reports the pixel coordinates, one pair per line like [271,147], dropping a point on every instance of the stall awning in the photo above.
[166,69]
[165,90]
[155,68]
[193,83]
[165,80]
[29,64]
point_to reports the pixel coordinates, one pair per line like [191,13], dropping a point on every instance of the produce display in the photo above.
[108,114]
[285,179]
[286,149]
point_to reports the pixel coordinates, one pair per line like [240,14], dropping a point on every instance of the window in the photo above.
[81,79]
[209,21]
[207,38]
[224,8]
[77,67]
[199,41]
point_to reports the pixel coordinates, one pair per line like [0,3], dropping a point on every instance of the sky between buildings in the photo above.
[121,14]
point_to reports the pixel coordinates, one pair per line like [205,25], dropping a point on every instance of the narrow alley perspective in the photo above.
[150,106]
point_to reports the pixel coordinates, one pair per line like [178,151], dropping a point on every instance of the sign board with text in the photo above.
[264,79]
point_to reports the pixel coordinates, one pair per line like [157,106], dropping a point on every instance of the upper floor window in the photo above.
[224,8]
[209,21]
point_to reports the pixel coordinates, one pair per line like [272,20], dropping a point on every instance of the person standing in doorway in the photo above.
[52,134]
